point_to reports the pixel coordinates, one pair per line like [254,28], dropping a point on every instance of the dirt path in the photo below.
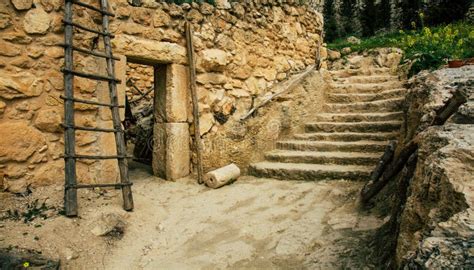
[251,224]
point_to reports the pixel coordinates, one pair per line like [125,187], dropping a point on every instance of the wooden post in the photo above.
[392,170]
[386,158]
[70,192]
[192,86]
[119,136]
[372,188]
[442,115]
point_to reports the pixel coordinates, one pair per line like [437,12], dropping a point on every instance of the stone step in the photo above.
[367,79]
[387,105]
[388,126]
[309,172]
[364,88]
[344,73]
[387,94]
[347,136]
[359,146]
[358,117]
[313,157]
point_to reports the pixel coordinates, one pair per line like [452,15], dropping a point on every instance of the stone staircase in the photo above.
[362,113]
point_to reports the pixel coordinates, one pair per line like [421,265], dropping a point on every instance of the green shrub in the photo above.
[428,48]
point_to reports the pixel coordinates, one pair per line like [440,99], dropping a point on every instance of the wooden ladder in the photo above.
[70,155]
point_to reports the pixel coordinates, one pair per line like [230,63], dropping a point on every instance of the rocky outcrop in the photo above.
[379,58]
[436,230]
[435,222]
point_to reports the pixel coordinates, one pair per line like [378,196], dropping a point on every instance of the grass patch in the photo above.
[428,48]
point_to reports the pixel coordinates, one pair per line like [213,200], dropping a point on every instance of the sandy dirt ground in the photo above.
[251,224]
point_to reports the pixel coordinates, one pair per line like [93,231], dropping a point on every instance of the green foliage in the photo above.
[347,16]
[369,13]
[330,23]
[410,10]
[383,10]
[427,48]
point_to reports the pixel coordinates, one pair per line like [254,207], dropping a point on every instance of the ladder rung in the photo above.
[98,54]
[99,185]
[90,76]
[96,157]
[91,128]
[88,29]
[91,102]
[105,12]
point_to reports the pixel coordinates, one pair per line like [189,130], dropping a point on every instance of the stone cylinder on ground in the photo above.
[222,176]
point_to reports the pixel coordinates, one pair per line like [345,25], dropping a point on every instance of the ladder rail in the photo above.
[70,195]
[119,136]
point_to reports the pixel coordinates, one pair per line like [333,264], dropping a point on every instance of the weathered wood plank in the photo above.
[70,195]
[192,86]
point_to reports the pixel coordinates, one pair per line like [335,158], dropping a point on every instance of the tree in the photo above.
[347,16]
[368,18]
[410,13]
[330,23]
[383,10]
[446,11]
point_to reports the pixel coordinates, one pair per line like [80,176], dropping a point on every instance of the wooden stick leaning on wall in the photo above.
[192,87]
[374,186]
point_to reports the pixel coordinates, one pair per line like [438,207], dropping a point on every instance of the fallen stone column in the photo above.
[222,176]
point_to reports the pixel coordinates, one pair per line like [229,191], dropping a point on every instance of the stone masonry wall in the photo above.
[243,49]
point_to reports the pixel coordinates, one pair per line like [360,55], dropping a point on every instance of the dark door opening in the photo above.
[139,110]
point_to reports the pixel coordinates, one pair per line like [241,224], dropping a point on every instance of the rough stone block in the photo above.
[36,21]
[19,141]
[148,50]
[171,153]
[48,120]
[213,60]
[171,95]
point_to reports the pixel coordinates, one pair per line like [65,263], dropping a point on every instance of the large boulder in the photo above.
[333,55]
[353,40]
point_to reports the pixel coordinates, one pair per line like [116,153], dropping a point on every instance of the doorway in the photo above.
[156,119]
[139,112]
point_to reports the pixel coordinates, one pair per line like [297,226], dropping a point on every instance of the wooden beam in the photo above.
[70,195]
[192,86]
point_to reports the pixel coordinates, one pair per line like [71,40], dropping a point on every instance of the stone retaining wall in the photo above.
[243,49]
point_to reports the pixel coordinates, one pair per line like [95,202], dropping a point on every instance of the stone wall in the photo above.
[243,49]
